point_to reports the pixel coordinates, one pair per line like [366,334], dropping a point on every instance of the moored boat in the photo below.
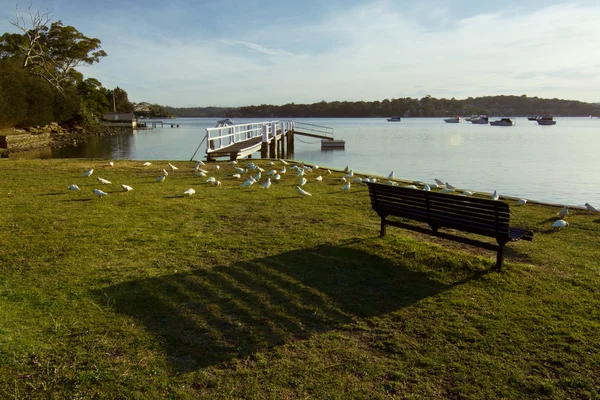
[533,118]
[453,120]
[482,119]
[546,120]
[503,122]
[394,119]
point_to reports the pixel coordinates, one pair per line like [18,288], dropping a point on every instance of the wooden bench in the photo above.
[440,210]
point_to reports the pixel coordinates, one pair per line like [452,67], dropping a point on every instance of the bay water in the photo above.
[556,164]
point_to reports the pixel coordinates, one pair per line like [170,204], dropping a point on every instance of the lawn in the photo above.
[249,293]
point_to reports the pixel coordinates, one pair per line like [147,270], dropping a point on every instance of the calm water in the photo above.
[558,164]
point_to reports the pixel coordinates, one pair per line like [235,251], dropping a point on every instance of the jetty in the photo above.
[274,139]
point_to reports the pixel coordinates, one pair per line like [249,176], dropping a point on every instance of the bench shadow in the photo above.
[209,316]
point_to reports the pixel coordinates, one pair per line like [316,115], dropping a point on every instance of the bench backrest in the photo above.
[485,217]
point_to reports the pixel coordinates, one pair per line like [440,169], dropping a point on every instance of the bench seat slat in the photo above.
[448,197]
[467,217]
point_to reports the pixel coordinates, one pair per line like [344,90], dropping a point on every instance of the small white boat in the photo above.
[224,122]
[503,122]
[453,120]
[546,120]
[482,119]
[394,119]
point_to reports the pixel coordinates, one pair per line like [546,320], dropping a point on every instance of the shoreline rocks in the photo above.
[55,136]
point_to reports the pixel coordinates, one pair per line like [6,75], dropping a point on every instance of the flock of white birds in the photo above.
[301,172]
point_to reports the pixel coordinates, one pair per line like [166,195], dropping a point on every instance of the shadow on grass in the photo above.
[210,316]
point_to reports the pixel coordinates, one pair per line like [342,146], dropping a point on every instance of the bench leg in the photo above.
[382,231]
[500,257]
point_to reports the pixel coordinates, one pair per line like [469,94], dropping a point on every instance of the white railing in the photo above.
[217,138]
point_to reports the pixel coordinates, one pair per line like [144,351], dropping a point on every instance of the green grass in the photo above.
[247,293]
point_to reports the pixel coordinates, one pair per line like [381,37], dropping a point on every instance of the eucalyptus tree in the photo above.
[51,51]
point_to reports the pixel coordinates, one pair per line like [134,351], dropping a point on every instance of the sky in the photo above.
[233,53]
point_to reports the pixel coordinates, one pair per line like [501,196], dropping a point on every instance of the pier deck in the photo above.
[270,138]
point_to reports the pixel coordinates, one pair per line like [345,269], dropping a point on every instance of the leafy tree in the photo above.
[118,100]
[50,52]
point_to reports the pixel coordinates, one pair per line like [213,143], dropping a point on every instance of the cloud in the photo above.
[258,48]
[372,51]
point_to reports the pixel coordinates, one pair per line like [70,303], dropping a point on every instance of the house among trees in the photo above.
[119,119]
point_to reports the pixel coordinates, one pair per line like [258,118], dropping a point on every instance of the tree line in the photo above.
[405,107]
[425,107]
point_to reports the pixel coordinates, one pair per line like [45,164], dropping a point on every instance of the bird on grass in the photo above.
[391,175]
[495,196]
[303,181]
[347,186]
[522,202]
[267,184]
[468,193]
[211,179]
[199,163]
[126,188]
[426,188]
[88,173]
[564,212]
[173,168]
[561,223]
[319,178]
[74,187]
[347,169]
[439,182]
[449,186]
[271,172]
[147,164]
[249,182]
[591,208]
[240,170]
[160,179]
[201,174]
[300,172]
[217,167]
[110,164]
[270,163]
[447,190]
[283,171]
[257,176]
[410,187]
[350,174]
[99,193]
[328,172]
[164,172]
[189,192]
[277,177]
[236,176]
[302,192]
[103,181]
[233,162]
[217,183]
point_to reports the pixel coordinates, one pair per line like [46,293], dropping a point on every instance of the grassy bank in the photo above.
[263,294]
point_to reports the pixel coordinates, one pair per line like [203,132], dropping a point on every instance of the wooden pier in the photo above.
[274,139]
